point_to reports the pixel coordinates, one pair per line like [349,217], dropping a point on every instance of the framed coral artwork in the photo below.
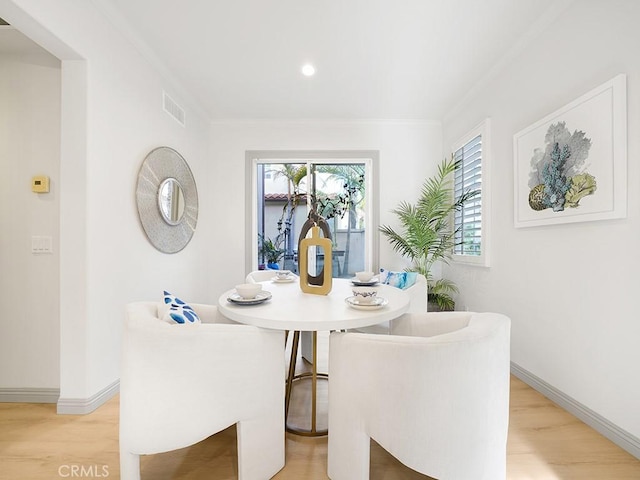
[571,166]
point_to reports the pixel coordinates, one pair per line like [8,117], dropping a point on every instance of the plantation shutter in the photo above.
[468,177]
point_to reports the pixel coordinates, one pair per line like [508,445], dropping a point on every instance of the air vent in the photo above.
[172,108]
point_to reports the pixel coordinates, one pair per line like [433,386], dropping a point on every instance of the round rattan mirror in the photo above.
[167,200]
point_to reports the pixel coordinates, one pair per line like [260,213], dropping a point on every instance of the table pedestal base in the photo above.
[313,376]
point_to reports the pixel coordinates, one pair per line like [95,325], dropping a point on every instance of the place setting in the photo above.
[283,276]
[249,294]
[364,279]
[365,297]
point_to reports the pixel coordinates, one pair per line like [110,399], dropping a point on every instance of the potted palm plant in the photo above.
[426,235]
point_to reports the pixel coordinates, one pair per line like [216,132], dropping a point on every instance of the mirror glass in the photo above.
[171,201]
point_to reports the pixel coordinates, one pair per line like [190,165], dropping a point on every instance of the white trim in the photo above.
[484,130]
[81,406]
[325,121]
[29,395]
[617,435]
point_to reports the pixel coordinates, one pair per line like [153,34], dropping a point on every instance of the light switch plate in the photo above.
[41,244]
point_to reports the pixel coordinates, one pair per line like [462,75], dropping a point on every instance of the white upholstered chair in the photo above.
[418,294]
[182,383]
[435,397]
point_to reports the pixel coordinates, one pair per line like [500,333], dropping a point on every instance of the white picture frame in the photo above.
[571,166]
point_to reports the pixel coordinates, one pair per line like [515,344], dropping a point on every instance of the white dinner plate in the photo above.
[263,296]
[288,279]
[353,302]
[370,283]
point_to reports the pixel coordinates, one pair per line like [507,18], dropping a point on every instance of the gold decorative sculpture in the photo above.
[317,284]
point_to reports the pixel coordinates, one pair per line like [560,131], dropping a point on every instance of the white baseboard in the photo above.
[81,406]
[620,437]
[29,395]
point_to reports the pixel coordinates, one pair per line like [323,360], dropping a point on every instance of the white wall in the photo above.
[408,150]
[111,118]
[29,145]
[569,289]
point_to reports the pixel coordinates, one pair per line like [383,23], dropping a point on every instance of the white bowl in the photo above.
[364,276]
[248,290]
[364,294]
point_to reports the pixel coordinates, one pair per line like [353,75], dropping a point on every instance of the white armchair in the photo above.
[182,383]
[418,294]
[437,401]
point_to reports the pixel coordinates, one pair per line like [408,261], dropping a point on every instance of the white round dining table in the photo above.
[290,309]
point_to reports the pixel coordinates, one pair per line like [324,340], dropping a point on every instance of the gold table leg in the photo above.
[314,382]
[292,377]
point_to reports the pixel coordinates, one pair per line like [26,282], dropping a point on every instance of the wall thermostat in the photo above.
[40,184]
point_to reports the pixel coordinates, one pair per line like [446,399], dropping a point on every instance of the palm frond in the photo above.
[426,235]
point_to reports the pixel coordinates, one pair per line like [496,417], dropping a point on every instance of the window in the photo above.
[284,185]
[471,222]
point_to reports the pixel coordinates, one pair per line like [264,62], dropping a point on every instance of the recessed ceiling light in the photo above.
[308,70]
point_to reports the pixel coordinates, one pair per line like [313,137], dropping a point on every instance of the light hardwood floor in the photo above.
[545,443]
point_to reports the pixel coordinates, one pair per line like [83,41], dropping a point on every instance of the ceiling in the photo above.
[375,59]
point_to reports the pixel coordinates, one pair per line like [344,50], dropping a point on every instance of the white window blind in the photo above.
[468,177]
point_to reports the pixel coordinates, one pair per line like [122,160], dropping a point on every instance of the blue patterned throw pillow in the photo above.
[179,311]
[401,280]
